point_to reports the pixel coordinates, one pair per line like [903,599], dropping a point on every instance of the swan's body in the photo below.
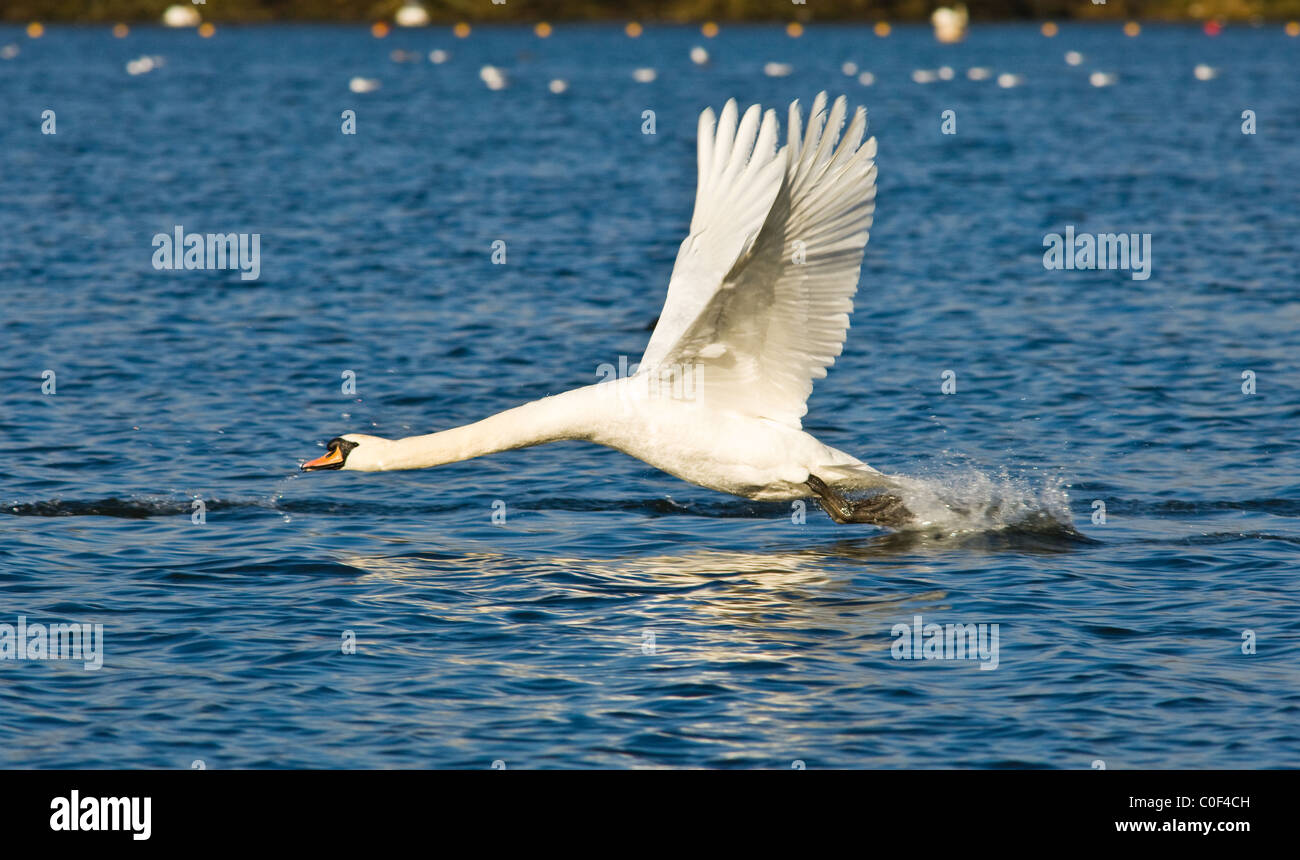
[758,307]
[752,457]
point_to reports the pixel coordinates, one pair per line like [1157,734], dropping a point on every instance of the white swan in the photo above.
[758,307]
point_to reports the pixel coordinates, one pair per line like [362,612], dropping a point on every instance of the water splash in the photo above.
[277,495]
[969,501]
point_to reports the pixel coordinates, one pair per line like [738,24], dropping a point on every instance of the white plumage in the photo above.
[758,307]
[763,287]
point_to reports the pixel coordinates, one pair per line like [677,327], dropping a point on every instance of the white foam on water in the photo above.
[969,500]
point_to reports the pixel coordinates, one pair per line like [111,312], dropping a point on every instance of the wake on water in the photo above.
[961,502]
[968,501]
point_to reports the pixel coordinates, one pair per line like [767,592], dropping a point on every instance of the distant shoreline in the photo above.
[668,14]
[18,21]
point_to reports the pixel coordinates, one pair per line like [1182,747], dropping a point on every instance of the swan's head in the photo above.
[351,451]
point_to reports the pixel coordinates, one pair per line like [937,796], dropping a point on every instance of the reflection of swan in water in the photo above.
[785,594]
[777,567]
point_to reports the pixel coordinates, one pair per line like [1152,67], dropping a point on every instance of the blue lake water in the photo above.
[529,642]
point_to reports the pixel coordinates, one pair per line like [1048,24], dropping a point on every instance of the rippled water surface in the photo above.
[621,618]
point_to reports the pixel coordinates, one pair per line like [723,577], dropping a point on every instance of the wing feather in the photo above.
[740,176]
[759,301]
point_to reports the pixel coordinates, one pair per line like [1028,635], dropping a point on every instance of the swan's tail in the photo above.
[859,477]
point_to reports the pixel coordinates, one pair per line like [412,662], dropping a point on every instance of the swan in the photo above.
[757,308]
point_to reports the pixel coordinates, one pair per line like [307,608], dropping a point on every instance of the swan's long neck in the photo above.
[570,415]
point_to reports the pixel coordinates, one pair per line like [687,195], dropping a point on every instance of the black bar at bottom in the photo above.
[329,809]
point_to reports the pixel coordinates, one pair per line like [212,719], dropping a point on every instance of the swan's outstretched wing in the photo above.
[760,297]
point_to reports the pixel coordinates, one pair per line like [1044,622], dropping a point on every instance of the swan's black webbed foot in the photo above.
[880,510]
[839,508]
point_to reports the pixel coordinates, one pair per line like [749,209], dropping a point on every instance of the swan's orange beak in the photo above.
[331,460]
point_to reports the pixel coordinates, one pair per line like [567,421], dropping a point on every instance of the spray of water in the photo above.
[967,500]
